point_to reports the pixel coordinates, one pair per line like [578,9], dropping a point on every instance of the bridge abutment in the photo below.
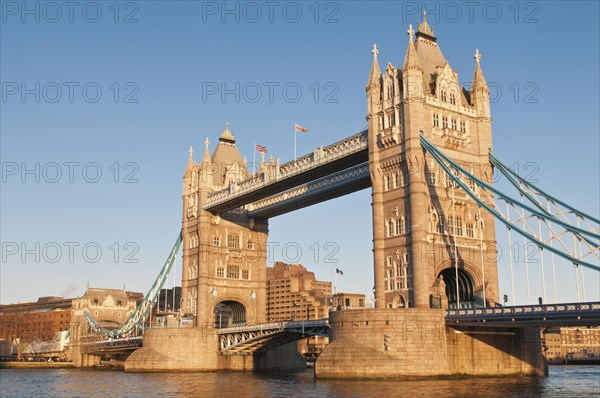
[393,343]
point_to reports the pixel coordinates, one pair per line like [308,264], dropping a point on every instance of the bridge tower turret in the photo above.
[431,245]
[224,255]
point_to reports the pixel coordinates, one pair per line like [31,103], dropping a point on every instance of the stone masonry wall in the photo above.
[391,343]
[196,349]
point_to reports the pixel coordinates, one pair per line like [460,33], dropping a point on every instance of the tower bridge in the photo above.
[427,157]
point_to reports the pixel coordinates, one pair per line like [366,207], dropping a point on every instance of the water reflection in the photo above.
[564,381]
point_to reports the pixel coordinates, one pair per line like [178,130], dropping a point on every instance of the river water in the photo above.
[563,381]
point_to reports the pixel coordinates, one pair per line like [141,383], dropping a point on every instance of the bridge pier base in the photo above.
[396,343]
[196,349]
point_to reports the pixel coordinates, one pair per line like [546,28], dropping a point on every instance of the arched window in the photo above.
[391,227]
[433,222]
[444,96]
[233,241]
[452,98]
[398,225]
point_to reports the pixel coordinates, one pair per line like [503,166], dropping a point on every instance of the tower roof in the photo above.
[226,154]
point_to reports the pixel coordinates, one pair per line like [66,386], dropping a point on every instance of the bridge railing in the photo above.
[321,155]
[525,310]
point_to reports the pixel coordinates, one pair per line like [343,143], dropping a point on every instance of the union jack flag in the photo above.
[261,148]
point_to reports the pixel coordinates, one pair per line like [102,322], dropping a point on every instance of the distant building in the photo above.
[108,307]
[37,321]
[293,293]
[346,301]
[567,344]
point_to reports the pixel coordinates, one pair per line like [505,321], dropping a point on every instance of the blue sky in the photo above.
[125,91]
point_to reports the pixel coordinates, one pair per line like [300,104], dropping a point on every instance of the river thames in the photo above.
[563,381]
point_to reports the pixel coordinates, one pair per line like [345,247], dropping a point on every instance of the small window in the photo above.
[445,122]
[432,177]
[233,241]
[469,230]
[452,99]
[233,271]
[463,126]
[220,272]
[250,245]
[245,274]
[444,96]
[436,120]
[216,241]
[453,124]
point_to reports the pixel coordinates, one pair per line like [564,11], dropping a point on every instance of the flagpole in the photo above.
[335,282]
[254,160]
[294,142]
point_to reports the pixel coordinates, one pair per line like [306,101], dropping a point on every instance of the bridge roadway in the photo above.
[244,340]
[113,346]
[569,314]
[324,161]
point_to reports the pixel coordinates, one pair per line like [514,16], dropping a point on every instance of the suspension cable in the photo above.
[453,230]
[582,277]
[480,222]
[526,261]
[512,279]
[441,158]
[541,254]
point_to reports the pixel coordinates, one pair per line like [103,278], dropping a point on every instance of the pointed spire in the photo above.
[478,79]
[206,157]
[411,61]
[375,75]
[424,28]
[191,152]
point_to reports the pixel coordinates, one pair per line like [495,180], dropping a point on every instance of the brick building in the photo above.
[568,344]
[36,321]
[293,293]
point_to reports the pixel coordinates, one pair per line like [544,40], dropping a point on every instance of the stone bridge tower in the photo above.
[224,256]
[433,246]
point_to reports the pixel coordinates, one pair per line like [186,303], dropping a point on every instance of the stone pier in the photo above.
[196,349]
[392,343]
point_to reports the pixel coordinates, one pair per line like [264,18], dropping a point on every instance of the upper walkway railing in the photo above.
[319,157]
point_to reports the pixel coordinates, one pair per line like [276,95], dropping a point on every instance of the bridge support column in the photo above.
[392,343]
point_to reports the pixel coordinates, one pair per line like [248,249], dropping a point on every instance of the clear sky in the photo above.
[101,102]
